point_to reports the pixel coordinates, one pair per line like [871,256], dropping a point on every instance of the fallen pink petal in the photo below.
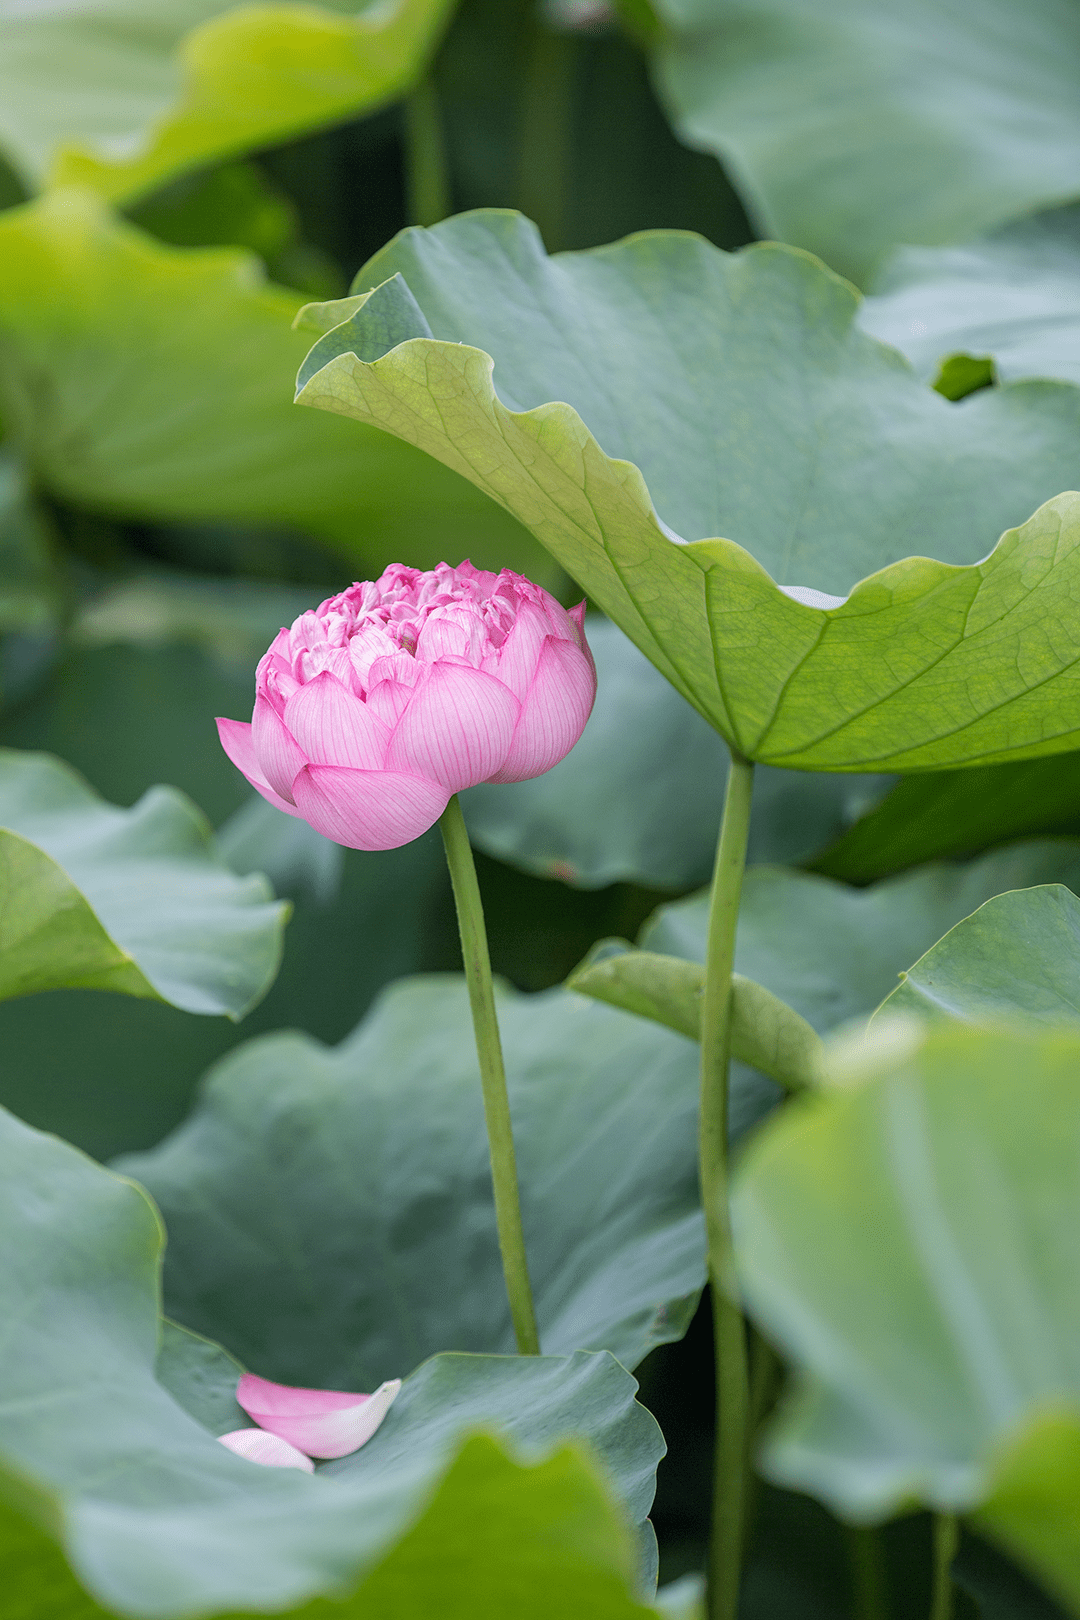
[372,709]
[321,1423]
[258,1446]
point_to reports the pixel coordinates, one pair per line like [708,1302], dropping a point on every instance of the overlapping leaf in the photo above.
[157,1519]
[740,390]
[639,797]
[330,1214]
[833,952]
[855,125]
[1012,296]
[103,95]
[950,813]
[945,1162]
[1017,956]
[152,381]
[133,900]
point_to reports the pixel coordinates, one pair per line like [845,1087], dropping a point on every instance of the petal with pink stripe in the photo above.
[553,714]
[335,728]
[457,728]
[235,736]
[368,809]
[277,751]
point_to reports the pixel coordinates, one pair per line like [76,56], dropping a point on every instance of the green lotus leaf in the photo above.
[945,1160]
[732,393]
[132,900]
[830,120]
[201,1377]
[952,813]
[1012,295]
[1017,956]
[833,952]
[150,381]
[638,799]
[156,1519]
[329,1210]
[102,96]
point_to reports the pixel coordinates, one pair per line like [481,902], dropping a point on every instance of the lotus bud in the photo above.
[371,710]
[318,1422]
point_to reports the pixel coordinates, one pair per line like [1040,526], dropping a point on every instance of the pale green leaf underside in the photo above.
[157,1519]
[1017,956]
[741,390]
[1014,295]
[852,125]
[381,1141]
[135,900]
[153,381]
[949,1166]
[766,1034]
[108,96]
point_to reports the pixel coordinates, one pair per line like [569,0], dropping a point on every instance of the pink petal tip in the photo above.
[320,1422]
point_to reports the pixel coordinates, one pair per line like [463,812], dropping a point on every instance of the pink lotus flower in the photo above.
[376,707]
[298,1424]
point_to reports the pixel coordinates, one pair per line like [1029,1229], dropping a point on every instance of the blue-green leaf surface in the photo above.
[157,1519]
[133,900]
[1014,295]
[730,395]
[330,1210]
[852,125]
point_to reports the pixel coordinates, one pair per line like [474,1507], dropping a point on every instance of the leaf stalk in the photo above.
[732,1385]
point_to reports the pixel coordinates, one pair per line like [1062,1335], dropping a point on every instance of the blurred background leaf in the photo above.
[855,125]
[104,95]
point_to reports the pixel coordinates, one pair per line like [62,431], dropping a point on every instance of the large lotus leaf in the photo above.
[945,1161]
[157,1519]
[1017,956]
[639,798]
[1014,296]
[153,381]
[833,952]
[737,388]
[951,813]
[854,125]
[105,95]
[330,1214]
[134,900]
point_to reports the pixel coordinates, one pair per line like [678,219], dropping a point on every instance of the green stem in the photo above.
[946,1541]
[869,1583]
[474,951]
[427,175]
[732,1396]
[545,130]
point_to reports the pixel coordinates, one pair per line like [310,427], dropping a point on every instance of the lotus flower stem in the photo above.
[427,173]
[946,1541]
[474,951]
[869,1577]
[729,1330]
